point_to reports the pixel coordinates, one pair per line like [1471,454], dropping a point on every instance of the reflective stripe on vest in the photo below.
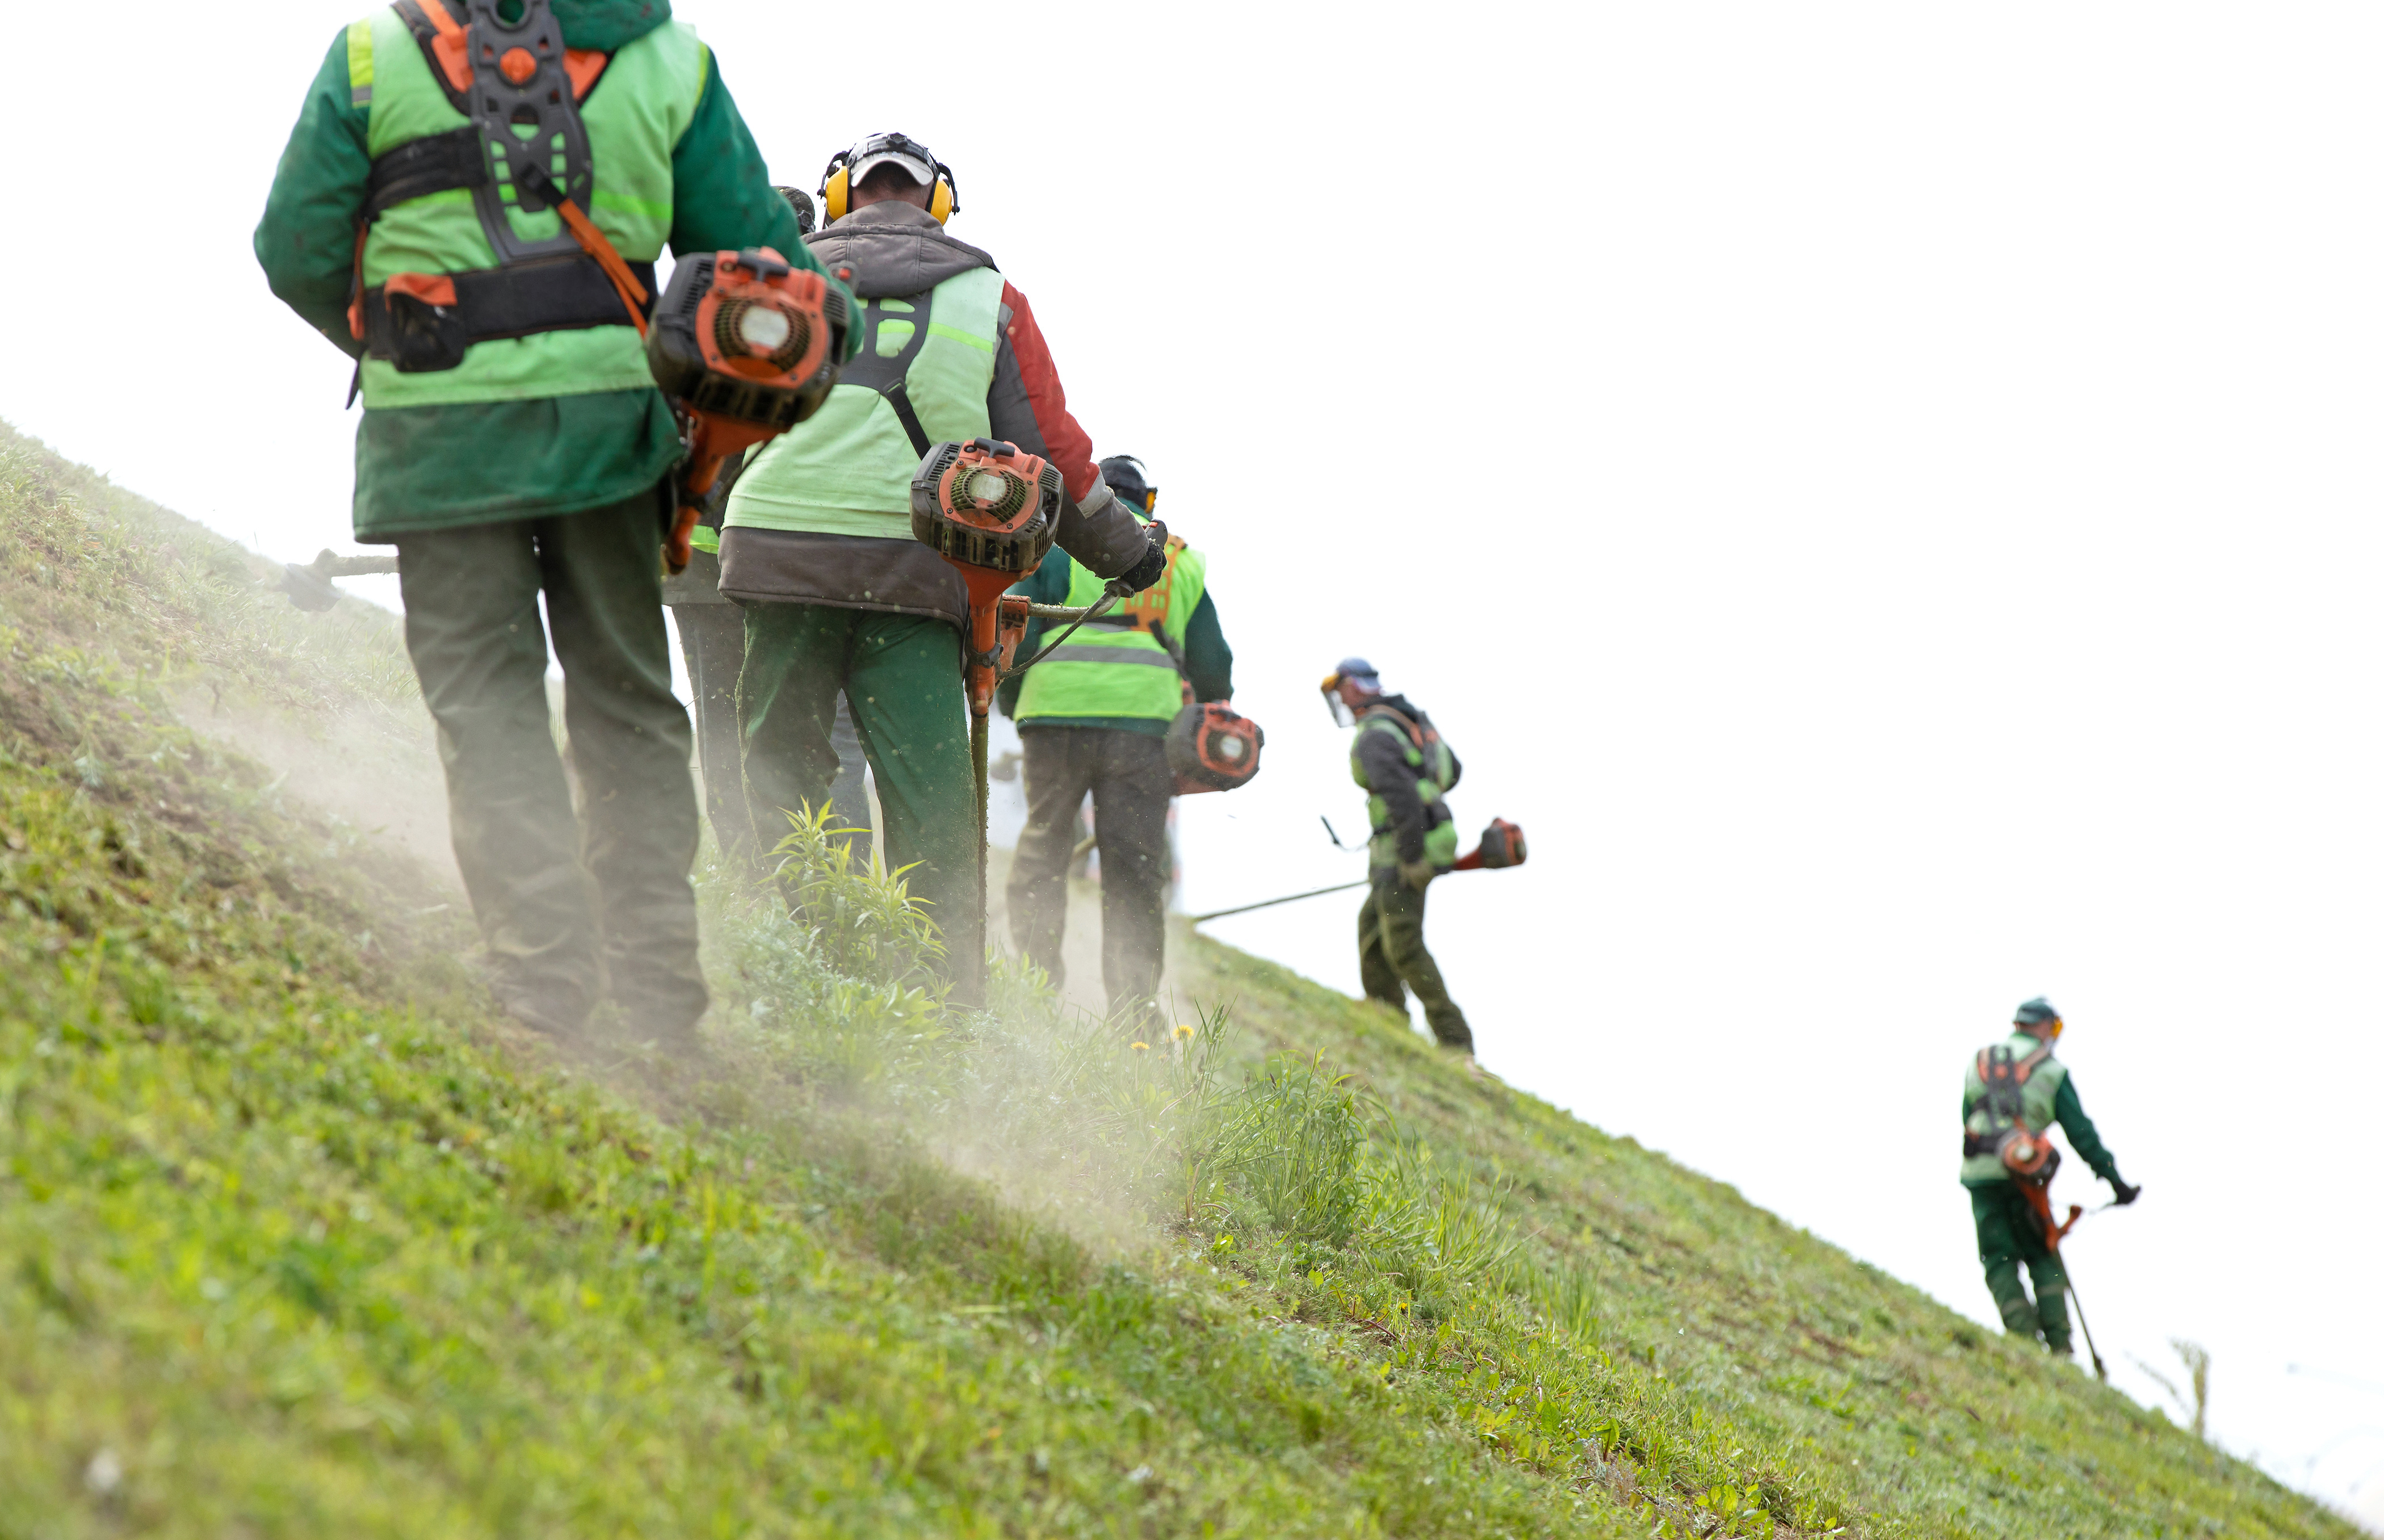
[638,111]
[1121,669]
[2037,1095]
[849,471]
[1432,786]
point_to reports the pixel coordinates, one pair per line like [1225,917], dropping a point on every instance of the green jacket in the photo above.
[2048,1096]
[1047,695]
[440,467]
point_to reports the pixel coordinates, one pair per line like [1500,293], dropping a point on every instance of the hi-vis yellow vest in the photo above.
[849,471]
[637,113]
[1118,666]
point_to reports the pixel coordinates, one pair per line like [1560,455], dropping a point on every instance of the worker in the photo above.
[712,638]
[1407,772]
[514,446]
[817,545]
[2017,1085]
[1092,718]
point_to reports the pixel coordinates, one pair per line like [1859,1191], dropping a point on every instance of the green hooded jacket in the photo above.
[443,466]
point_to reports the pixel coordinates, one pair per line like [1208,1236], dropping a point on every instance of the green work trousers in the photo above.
[2009,1236]
[901,675]
[1127,775]
[1392,959]
[712,639]
[565,903]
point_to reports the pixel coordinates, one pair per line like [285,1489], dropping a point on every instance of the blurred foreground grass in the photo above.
[295,1238]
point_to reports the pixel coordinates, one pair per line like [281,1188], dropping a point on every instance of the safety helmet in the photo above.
[1355,672]
[1128,478]
[2037,1011]
[845,168]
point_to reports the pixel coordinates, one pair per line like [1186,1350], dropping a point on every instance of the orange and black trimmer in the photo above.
[746,345]
[992,510]
[2040,1197]
[1502,846]
[2032,1160]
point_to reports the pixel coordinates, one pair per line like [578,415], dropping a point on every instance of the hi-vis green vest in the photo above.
[849,471]
[1116,666]
[2037,1093]
[637,113]
[1436,768]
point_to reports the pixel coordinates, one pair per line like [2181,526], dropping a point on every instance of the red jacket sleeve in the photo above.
[1070,446]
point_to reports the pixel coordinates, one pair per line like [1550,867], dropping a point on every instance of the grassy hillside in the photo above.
[296,1238]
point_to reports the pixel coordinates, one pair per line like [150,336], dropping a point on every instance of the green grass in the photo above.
[297,1239]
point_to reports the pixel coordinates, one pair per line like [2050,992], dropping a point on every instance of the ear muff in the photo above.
[836,191]
[836,187]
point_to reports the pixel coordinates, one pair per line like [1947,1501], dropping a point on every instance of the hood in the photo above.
[893,248]
[605,25]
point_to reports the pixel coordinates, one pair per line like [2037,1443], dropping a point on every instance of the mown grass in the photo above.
[296,1239]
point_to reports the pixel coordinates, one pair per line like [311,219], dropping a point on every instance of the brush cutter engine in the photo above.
[1213,747]
[746,346]
[986,504]
[1502,846]
[2028,1156]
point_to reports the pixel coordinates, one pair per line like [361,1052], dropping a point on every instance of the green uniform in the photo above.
[1398,757]
[2009,1233]
[531,467]
[1093,718]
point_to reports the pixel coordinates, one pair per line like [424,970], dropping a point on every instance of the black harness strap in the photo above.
[897,396]
[555,294]
[437,163]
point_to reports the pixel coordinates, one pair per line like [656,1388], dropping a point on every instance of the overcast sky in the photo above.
[1886,495]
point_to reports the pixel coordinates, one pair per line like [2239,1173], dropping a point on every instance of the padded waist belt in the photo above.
[419,330]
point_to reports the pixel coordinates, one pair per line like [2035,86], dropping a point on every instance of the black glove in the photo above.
[1152,567]
[2121,1193]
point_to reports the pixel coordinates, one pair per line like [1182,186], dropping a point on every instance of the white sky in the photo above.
[1886,495]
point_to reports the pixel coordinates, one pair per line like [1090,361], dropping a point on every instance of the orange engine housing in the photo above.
[747,346]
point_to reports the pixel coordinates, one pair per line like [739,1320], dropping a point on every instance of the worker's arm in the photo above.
[1207,662]
[1455,771]
[1027,407]
[1047,584]
[306,243]
[1384,758]
[721,196]
[2071,1114]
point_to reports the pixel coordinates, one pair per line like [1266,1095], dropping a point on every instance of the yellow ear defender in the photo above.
[836,183]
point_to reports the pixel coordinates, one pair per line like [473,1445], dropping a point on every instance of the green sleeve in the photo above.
[306,243]
[721,198]
[2068,1113]
[1047,584]
[1207,659]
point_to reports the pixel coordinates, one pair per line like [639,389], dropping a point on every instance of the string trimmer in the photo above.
[2040,1197]
[992,510]
[1501,846]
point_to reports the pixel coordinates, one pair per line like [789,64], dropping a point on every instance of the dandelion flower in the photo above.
[1142,1048]
[1183,1030]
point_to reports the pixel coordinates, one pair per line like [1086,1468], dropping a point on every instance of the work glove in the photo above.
[1416,873]
[2123,1194]
[1152,567]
